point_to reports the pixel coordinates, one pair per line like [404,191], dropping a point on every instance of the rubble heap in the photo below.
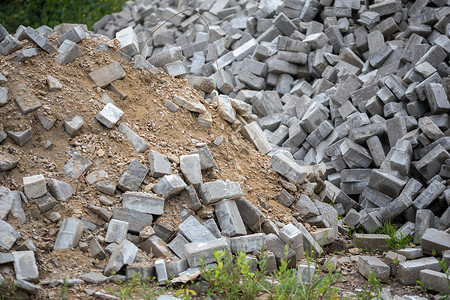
[350,102]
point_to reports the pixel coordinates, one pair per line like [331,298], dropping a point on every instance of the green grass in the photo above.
[234,278]
[54,12]
[7,290]
[395,242]
[142,288]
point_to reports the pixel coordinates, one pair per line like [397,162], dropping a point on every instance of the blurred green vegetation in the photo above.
[54,12]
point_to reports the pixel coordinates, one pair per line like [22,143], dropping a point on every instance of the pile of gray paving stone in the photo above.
[362,89]
[349,100]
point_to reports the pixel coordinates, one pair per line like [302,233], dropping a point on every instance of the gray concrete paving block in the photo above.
[25,266]
[59,189]
[76,166]
[40,40]
[21,138]
[133,176]
[117,231]
[372,264]
[137,220]
[109,115]
[34,186]
[143,202]
[197,251]
[428,195]
[436,240]
[68,52]
[123,254]
[169,186]
[107,74]
[371,242]
[409,271]
[138,143]
[229,218]
[190,197]
[253,133]
[177,245]
[191,168]
[214,191]
[435,281]
[194,231]
[159,165]
[156,246]
[69,234]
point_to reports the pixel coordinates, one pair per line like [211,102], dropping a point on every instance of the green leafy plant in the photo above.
[233,277]
[185,293]
[146,288]
[372,288]
[396,241]
[53,12]
[64,289]
[287,284]
[7,290]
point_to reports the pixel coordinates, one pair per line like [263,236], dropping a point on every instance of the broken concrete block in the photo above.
[143,202]
[9,45]
[191,168]
[138,143]
[435,240]
[288,168]
[429,195]
[434,280]
[21,138]
[159,165]
[191,106]
[371,242]
[386,183]
[73,125]
[128,41]
[156,246]
[137,220]
[430,164]
[248,243]
[252,217]
[253,132]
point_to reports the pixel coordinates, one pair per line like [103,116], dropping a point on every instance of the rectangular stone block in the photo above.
[229,218]
[197,251]
[409,271]
[436,240]
[248,243]
[107,74]
[372,264]
[214,191]
[194,231]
